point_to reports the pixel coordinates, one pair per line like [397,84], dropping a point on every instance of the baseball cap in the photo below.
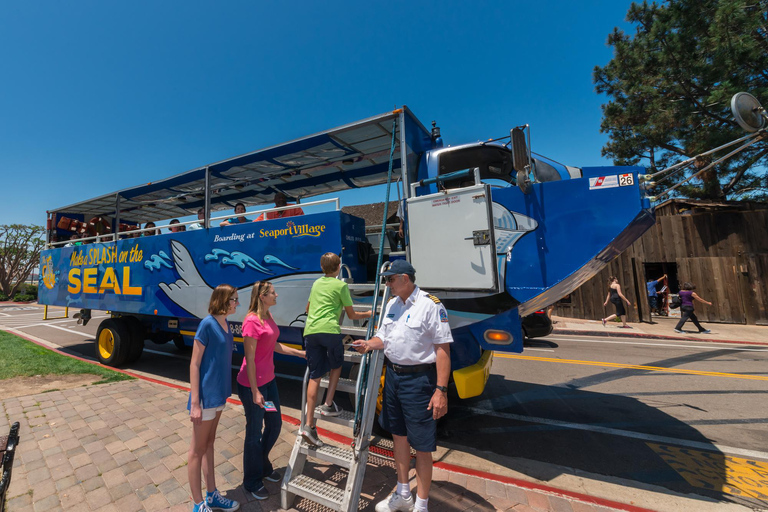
[399,267]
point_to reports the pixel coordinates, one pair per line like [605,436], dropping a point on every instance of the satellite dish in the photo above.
[748,112]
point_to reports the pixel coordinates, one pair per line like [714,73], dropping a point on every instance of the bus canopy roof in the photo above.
[350,156]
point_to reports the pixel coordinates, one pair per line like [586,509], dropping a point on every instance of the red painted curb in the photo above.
[611,334]
[388,453]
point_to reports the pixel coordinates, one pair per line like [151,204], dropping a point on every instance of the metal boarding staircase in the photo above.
[360,422]
[365,389]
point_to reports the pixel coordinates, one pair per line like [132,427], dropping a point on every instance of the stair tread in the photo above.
[316,490]
[346,418]
[354,329]
[352,356]
[330,453]
[346,385]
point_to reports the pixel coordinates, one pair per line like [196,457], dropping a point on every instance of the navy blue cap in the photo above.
[399,267]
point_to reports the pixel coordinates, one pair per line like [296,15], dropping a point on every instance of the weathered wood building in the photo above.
[720,247]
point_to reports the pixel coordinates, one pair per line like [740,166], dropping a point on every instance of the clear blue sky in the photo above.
[98,96]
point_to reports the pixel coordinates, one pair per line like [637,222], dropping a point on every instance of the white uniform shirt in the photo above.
[411,329]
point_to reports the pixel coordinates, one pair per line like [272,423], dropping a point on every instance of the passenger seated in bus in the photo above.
[177,229]
[151,232]
[323,339]
[397,238]
[280,201]
[239,218]
[74,240]
[201,218]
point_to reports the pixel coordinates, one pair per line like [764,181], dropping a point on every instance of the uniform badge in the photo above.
[443,315]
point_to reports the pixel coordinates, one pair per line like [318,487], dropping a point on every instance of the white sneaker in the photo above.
[395,503]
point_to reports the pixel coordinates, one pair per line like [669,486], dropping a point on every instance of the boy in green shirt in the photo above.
[323,339]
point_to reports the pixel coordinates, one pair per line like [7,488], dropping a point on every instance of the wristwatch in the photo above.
[444,389]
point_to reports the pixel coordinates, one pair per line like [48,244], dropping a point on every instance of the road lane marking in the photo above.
[708,346]
[59,321]
[633,367]
[540,349]
[38,312]
[611,431]
[81,333]
[717,471]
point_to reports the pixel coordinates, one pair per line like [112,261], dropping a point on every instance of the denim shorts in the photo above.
[325,352]
[404,411]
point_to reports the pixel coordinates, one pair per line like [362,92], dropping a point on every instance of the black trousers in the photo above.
[686,313]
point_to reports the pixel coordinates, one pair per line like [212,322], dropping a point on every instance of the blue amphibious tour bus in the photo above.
[494,232]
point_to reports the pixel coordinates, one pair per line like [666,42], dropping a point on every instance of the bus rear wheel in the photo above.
[138,333]
[113,341]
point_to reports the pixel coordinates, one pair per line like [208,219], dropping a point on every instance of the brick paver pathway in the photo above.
[123,447]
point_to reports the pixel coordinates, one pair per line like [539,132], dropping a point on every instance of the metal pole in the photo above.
[117,217]
[207,222]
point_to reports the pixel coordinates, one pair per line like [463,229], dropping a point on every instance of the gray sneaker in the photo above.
[310,435]
[396,503]
[329,410]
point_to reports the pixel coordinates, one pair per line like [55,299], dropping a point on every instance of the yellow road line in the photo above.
[716,471]
[633,367]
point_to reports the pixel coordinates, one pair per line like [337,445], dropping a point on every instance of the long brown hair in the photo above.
[612,279]
[219,303]
[256,307]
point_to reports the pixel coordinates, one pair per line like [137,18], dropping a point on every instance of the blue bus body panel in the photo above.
[172,275]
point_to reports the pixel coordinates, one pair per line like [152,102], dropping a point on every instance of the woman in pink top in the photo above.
[256,386]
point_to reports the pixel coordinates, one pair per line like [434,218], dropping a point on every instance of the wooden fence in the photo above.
[724,253]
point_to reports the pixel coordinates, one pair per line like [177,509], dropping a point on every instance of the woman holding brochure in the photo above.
[257,389]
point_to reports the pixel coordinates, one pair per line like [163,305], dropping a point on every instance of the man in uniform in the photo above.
[415,336]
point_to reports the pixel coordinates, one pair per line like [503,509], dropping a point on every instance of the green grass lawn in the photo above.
[21,358]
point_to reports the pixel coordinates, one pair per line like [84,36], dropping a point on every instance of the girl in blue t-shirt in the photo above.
[210,382]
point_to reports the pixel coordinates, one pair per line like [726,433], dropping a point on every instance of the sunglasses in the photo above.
[235,299]
[389,279]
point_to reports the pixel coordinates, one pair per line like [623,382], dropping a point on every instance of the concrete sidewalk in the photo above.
[123,446]
[663,328]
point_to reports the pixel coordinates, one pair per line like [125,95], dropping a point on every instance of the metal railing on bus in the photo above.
[110,237]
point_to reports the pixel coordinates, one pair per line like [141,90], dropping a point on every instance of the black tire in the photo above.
[113,342]
[178,340]
[138,334]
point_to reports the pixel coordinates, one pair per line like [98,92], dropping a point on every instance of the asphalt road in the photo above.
[687,416]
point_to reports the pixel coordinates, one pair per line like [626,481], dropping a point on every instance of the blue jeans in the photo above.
[256,464]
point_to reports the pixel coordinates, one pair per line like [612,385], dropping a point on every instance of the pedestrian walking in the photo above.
[210,382]
[687,296]
[653,300]
[257,389]
[617,299]
[415,336]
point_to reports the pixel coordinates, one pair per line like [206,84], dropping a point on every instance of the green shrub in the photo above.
[24,298]
[3,296]
[31,289]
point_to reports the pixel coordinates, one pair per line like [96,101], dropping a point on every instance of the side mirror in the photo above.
[521,159]
[519,149]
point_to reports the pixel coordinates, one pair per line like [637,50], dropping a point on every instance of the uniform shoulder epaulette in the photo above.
[433,298]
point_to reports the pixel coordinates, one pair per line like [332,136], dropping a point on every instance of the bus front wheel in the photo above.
[113,342]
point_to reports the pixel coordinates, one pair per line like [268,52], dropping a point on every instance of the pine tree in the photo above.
[670,86]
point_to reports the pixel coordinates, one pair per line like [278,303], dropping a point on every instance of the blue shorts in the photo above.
[404,411]
[325,352]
